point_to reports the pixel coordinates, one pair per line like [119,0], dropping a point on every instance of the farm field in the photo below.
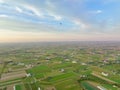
[60,66]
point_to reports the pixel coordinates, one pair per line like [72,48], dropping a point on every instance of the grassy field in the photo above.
[39,71]
[88,86]
[58,66]
[61,77]
[18,87]
[68,84]
[109,87]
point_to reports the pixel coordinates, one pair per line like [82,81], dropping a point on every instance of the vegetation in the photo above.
[60,66]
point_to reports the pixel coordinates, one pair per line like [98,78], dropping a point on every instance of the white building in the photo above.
[104,74]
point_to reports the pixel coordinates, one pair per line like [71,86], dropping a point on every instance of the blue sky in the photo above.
[59,20]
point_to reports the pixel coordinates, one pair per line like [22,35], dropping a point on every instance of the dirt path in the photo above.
[108,80]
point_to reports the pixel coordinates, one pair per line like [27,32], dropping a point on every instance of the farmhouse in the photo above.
[74,61]
[104,74]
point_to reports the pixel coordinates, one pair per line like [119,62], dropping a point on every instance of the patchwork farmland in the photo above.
[60,66]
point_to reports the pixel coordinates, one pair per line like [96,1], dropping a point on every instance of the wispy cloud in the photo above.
[19,9]
[3,16]
[34,10]
[96,12]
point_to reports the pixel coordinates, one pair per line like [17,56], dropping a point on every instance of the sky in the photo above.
[59,20]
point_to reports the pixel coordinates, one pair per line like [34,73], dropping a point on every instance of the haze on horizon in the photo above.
[59,20]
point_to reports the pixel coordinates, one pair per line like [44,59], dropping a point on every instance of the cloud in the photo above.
[25,26]
[96,12]
[80,23]
[78,17]
[18,9]
[56,17]
[3,16]
[1,1]
[35,11]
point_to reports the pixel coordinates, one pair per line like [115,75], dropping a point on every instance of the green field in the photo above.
[18,87]
[63,66]
[61,77]
[88,86]
[68,84]
[39,71]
